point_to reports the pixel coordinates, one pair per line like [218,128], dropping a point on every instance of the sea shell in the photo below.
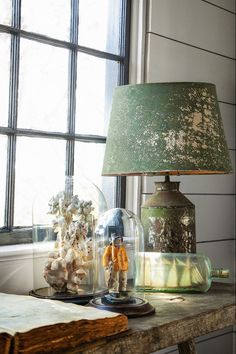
[70,256]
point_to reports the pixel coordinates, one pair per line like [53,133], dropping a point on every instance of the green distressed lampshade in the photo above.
[166,128]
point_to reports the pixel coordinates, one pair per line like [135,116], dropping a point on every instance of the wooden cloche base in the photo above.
[138,308]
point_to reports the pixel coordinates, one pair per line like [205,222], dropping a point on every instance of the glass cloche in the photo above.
[64,223]
[118,240]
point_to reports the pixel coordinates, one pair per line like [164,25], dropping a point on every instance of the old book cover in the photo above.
[44,326]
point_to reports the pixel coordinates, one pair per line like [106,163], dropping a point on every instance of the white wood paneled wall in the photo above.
[194,40]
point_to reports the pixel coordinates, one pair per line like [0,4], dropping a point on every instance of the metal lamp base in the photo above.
[168,218]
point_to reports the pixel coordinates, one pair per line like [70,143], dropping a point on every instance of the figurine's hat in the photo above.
[115,237]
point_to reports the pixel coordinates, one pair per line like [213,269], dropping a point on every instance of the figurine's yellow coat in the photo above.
[118,257]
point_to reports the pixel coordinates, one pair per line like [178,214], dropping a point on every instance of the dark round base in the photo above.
[136,308]
[50,293]
[110,299]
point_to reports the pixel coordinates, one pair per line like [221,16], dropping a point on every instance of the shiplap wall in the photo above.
[194,40]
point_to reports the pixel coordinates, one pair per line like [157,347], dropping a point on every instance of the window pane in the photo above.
[5,12]
[40,168]
[3,162]
[4,77]
[49,17]
[99,24]
[96,80]
[89,161]
[43,86]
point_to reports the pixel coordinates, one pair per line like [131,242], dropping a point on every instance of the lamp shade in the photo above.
[166,128]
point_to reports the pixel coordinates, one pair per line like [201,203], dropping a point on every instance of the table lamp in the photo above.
[166,129]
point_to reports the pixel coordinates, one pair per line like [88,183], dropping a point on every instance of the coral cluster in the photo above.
[69,264]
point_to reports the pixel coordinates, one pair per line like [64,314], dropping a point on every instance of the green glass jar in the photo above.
[177,272]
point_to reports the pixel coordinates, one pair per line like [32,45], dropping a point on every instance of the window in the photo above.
[60,61]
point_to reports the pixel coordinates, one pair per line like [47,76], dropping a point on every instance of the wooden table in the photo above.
[179,318]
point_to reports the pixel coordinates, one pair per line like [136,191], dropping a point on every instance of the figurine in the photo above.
[115,262]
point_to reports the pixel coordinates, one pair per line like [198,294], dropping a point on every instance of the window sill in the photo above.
[24,251]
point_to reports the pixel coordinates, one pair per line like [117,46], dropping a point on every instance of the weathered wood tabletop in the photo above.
[179,318]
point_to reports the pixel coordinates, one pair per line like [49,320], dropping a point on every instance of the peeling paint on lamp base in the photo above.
[168,218]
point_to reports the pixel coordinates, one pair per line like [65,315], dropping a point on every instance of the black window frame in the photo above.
[8,234]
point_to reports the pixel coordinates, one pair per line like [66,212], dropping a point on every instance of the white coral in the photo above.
[68,265]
